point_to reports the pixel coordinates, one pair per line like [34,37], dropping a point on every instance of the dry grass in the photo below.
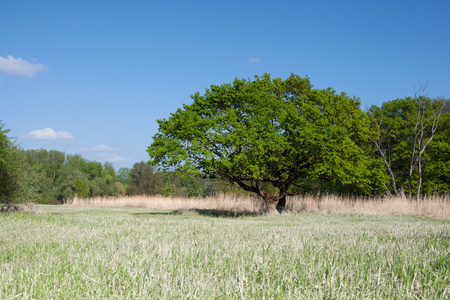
[223,202]
[18,207]
[434,207]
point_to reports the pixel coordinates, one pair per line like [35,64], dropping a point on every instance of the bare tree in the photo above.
[423,132]
[422,127]
[385,155]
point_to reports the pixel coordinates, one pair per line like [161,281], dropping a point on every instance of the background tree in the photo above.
[92,168]
[144,180]
[13,171]
[406,128]
[109,173]
[124,175]
[57,177]
[436,173]
[46,168]
[267,135]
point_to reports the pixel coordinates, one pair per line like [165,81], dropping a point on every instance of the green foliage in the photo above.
[144,180]
[437,161]
[67,184]
[57,177]
[109,173]
[92,168]
[13,171]
[185,185]
[267,135]
[81,188]
[191,185]
[124,175]
[49,162]
[396,120]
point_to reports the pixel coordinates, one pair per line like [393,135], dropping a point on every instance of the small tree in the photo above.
[267,136]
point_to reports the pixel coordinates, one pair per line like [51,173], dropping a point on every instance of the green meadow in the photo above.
[63,252]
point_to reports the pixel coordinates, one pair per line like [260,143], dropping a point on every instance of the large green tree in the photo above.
[268,136]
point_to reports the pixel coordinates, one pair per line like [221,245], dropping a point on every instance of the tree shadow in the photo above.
[203,212]
[220,213]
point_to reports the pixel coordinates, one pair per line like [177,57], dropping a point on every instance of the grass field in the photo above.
[64,252]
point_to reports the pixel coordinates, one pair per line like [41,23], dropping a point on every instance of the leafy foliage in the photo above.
[267,135]
[58,177]
[144,180]
[124,175]
[397,122]
[437,162]
[13,171]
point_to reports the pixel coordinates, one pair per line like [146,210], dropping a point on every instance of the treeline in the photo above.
[143,179]
[409,156]
[53,177]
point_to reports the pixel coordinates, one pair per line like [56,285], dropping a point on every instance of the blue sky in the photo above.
[92,77]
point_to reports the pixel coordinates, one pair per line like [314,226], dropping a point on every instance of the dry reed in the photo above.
[434,207]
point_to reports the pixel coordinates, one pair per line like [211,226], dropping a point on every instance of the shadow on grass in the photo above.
[202,212]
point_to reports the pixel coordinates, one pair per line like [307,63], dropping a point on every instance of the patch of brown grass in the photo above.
[434,207]
[18,207]
[224,202]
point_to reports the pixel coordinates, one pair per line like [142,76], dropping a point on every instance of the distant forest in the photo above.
[52,177]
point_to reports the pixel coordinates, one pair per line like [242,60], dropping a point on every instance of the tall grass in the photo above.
[134,253]
[436,206]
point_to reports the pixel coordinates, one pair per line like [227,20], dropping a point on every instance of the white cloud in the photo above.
[18,66]
[48,134]
[97,148]
[254,60]
[105,157]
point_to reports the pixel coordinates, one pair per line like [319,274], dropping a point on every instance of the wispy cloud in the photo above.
[20,67]
[48,134]
[106,157]
[97,148]
[254,60]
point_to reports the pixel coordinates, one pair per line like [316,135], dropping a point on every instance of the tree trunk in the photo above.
[388,166]
[387,191]
[272,207]
[281,205]
[402,193]
[419,185]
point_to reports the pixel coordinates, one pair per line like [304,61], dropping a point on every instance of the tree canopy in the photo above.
[414,139]
[144,180]
[268,136]
[13,170]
